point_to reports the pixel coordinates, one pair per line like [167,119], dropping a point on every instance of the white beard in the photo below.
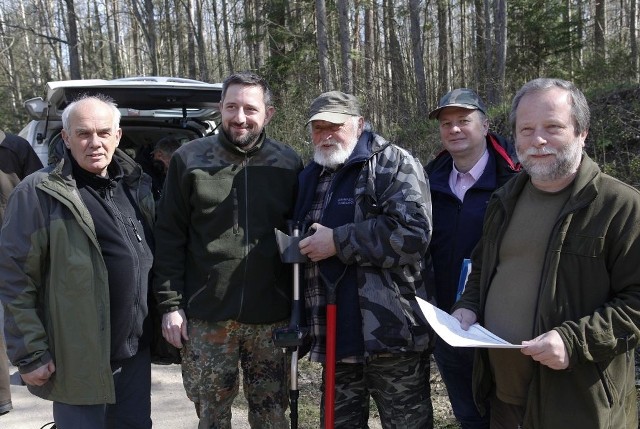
[332,157]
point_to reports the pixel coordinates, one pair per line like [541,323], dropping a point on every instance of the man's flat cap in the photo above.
[335,107]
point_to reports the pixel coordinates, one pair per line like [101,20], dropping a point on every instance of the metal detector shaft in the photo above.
[293,391]
[292,337]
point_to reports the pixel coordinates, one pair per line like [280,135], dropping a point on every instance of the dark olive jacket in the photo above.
[589,293]
[216,254]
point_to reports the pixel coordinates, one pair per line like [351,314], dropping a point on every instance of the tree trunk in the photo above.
[500,20]
[203,69]
[345,42]
[356,60]
[113,33]
[568,16]
[580,34]
[463,45]
[219,37]
[443,47]
[260,30]
[250,21]
[226,36]
[72,37]
[600,30]
[191,40]
[170,36]
[147,24]
[369,88]
[479,49]
[323,44]
[488,49]
[399,102]
[633,29]
[31,62]
[14,78]
[418,55]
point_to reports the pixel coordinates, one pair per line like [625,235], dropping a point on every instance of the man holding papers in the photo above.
[556,270]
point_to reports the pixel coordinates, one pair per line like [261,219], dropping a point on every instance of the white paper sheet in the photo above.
[448,328]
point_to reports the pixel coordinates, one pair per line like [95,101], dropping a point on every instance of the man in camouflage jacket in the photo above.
[367,203]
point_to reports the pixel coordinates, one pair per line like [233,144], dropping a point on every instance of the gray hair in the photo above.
[98,97]
[579,107]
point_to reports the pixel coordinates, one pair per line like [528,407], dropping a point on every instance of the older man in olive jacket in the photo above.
[556,271]
[75,255]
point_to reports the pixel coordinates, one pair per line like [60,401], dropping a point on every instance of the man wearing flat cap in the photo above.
[368,206]
[473,164]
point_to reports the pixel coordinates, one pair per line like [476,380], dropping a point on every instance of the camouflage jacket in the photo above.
[386,241]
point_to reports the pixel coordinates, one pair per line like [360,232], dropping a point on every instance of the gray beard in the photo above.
[567,161]
[335,157]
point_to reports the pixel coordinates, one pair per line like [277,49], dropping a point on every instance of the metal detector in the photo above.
[292,337]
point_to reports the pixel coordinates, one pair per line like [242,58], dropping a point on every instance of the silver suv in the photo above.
[151,108]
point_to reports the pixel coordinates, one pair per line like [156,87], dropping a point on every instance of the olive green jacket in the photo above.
[589,293]
[54,284]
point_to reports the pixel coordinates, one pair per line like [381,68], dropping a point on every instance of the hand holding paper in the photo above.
[448,328]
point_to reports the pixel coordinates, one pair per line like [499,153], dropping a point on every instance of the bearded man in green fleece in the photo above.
[219,279]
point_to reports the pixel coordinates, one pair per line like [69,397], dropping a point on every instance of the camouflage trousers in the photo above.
[398,384]
[210,373]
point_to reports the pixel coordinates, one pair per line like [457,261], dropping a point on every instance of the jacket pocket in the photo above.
[583,245]
[607,385]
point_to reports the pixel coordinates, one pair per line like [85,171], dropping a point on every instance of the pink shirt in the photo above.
[461,182]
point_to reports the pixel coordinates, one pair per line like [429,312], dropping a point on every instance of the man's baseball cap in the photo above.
[461,97]
[335,107]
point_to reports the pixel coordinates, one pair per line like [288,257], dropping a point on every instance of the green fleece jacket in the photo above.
[54,283]
[216,254]
[589,293]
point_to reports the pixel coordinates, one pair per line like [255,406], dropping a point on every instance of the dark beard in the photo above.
[245,141]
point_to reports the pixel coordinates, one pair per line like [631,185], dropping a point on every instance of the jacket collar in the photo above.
[131,171]
[585,186]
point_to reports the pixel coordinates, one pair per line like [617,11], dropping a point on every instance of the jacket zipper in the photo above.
[605,385]
[244,165]
[236,212]
[135,230]
[121,217]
